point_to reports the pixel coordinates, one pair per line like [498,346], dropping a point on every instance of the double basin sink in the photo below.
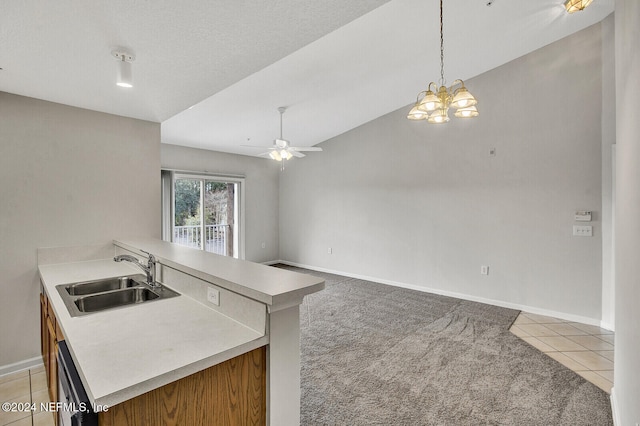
[98,295]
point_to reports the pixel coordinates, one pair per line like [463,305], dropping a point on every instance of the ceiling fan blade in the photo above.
[296,154]
[305,148]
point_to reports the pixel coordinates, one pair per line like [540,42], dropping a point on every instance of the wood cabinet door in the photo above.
[228,394]
[43,329]
[52,353]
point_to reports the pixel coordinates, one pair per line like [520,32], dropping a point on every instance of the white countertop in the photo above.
[125,352]
[272,286]
[122,353]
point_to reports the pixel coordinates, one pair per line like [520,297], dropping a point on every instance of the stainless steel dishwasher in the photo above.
[75,408]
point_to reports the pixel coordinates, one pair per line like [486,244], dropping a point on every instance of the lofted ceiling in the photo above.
[215,72]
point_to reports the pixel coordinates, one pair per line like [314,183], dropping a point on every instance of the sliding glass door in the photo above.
[205,214]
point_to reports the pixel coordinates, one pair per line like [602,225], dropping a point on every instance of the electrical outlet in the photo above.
[264,245]
[213,296]
[484,270]
[329,250]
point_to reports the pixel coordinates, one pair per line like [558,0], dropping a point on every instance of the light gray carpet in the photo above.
[378,355]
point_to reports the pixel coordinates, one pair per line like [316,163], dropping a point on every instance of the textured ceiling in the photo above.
[336,64]
[185,50]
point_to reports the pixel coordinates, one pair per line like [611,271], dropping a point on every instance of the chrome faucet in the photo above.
[150,269]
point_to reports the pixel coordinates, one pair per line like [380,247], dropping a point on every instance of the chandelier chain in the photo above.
[442,80]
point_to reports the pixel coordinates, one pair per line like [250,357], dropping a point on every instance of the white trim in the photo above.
[614,410]
[205,174]
[21,365]
[609,273]
[607,326]
[503,304]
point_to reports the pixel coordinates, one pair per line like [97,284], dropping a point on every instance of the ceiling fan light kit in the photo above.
[433,104]
[281,151]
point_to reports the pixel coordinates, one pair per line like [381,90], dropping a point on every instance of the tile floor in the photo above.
[27,386]
[585,349]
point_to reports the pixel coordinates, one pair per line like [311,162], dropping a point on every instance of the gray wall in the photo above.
[425,205]
[261,192]
[627,232]
[69,177]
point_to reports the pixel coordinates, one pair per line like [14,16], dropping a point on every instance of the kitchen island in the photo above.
[124,353]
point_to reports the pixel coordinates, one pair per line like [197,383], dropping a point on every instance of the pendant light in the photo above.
[433,104]
[124,74]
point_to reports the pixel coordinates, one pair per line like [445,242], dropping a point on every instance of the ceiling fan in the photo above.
[281,149]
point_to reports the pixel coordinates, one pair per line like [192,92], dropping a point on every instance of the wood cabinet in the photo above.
[50,335]
[44,342]
[230,393]
[52,352]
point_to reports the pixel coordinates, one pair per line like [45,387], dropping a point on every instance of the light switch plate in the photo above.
[582,231]
[213,296]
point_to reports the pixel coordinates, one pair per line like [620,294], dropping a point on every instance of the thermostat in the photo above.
[583,216]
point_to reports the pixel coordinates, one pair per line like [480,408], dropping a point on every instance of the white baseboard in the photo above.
[21,365]
[501,303]
[614,409]
[271,262]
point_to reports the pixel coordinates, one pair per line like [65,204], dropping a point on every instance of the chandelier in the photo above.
[433,104]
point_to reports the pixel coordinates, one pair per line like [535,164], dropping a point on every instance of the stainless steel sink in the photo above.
[113,299]
[94,296]
[91,287]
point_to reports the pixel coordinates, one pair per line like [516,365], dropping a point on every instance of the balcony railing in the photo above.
[191,236]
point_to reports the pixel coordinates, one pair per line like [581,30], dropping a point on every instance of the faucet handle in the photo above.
[151,269]
[152,258]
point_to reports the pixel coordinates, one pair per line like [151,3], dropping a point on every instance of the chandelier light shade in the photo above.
[576,5]
[124,73]
[433,104]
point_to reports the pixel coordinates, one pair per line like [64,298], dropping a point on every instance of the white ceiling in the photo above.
[336,64]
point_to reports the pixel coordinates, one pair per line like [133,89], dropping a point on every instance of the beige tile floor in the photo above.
[27,386]
[585,349]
